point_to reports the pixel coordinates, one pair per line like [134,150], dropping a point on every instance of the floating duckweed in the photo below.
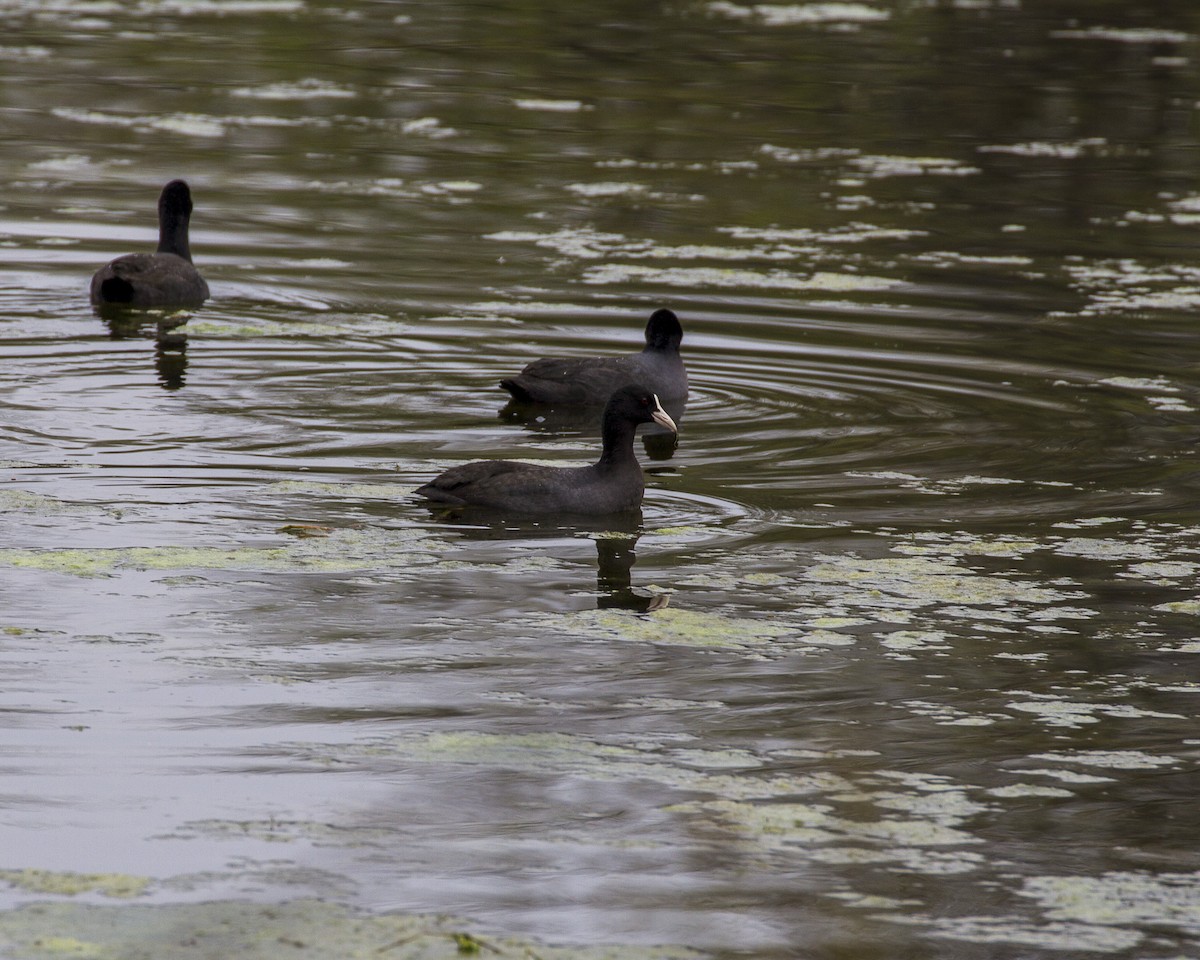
[945,715]
[1088,522]
[311,928]
[1191,646]
[717,759]
[1029,790]
[1179,606]
[356,491]
[1060,713]
[965,544]
[1124,34]
[778,823]
[308,89]
[534,750]
[1098,549]
[26,501]
[878,167]
[69,884]
[726,278]
[871,902]
[552,106]
[1072,937]
[921,581]
[1069,776]
[810,14]
[680,531]
[1113,759]
[832,623]
[915,640]
[285,831]
[908,859]
[671,625]
[1121,898]
[829,638]
[342,551]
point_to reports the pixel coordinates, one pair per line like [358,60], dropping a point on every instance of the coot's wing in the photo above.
[509,484]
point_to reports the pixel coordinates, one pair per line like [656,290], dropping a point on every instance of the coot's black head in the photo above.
[636,404]
[175,200]
[663,331]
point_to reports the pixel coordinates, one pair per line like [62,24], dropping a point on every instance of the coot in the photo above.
[593,379]
[612,483]
[165,278]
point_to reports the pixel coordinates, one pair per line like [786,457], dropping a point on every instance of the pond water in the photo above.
[900,657]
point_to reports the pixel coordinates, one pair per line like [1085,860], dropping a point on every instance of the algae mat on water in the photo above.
[301,929]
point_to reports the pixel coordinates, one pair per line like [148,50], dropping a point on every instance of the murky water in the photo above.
[899,658]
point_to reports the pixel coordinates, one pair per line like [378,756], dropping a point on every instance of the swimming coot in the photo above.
[165,278]
[612,483]
[593,379]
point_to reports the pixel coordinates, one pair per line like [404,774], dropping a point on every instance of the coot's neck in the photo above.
[662,346]
[617,432]
[173,233]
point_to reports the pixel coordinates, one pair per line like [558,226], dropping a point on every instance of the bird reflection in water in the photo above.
[615,536]
[168,333]
[658,442]
[615,557]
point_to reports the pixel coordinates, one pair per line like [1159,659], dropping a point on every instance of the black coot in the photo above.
[593,379]
[165,278]
[612,483]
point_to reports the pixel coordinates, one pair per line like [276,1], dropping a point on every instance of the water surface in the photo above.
[897,660]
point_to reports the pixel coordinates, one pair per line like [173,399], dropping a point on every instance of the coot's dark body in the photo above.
[592,380]
[612,484]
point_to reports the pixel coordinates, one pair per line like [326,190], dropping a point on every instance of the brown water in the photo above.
[925,679]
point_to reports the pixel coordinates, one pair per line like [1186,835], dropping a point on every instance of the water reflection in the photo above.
[931,528]
[615,557]
[616,546]
[169,336]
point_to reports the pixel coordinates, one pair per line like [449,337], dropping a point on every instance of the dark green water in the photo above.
[900,659]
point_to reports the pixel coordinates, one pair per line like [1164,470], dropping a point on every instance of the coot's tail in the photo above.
[518,391]
[116,290]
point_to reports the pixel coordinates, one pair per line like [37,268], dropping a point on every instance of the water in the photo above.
[899,658]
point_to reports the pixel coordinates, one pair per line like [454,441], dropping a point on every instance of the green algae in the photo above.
[914,826]
[1120,898]
[1112,759]
[286,831]
[1068,776]
[774,825]
[299,928]
[908,640]
[573,755]
[724,278]
[1180,606]
[1074,937]
[69,884]
[964,544]
[677,627]
[921,581]
[1060,712]
[14,500]
[1106,549]
[342,551]
[350,491]
[1017,790]
[1163,571]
